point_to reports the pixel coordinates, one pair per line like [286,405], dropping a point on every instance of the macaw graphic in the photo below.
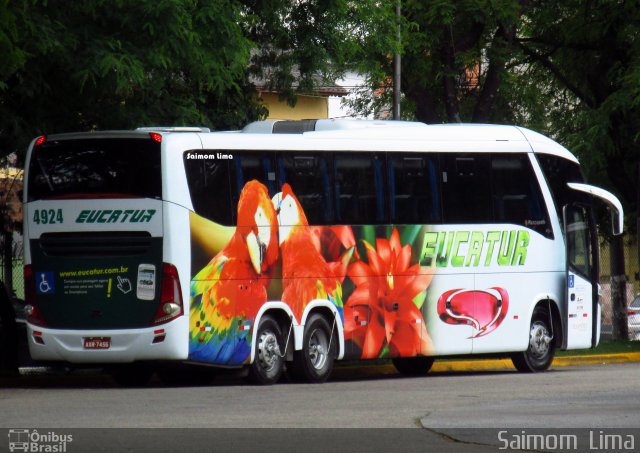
[382,315]
[337,244]
[306,274]
[228,292]
[484,309]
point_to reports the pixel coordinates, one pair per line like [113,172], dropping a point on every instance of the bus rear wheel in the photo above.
[268,362]
[314,362]
[541,349]
[413,366]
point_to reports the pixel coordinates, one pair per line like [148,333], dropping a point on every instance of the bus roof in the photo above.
[356,135]
[362,135]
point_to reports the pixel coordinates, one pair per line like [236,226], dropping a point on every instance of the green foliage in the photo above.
[109,64]
[306,43]
[586,58]
[106,64]
[454,61]
[12,55]
[567,68]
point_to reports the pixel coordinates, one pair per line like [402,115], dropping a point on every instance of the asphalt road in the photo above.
[465,411]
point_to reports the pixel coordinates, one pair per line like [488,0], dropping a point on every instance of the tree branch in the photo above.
[548,64]
[573,46]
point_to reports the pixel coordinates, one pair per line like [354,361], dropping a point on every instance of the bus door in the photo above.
[580,308]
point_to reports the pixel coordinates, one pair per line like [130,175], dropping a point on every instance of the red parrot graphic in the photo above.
[306,275]
[232,287]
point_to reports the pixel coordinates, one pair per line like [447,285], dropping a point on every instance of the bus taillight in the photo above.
[32,311]
[170,296]
[40,140]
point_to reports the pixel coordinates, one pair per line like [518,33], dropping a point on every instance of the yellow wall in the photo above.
[307,107]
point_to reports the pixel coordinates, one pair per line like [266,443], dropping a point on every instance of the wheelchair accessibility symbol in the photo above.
[45,283]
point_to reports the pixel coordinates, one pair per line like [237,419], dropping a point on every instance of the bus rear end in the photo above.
[97,287]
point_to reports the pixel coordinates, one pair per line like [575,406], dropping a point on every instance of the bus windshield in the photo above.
[96,168]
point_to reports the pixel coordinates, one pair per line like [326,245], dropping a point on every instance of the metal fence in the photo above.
[12,269]
[631,271]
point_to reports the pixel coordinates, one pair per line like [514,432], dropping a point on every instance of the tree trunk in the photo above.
[449,87]
[484,106]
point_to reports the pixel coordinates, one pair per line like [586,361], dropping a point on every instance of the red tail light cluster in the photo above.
[32,310]
[171,305]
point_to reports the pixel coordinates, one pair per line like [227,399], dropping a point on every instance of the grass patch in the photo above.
[605,347]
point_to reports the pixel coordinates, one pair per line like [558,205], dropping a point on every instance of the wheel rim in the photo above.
[318,349]
[539,340]
[268,350]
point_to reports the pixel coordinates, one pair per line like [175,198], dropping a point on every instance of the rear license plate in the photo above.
[97,343]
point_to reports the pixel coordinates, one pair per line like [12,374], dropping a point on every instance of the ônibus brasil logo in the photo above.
[30,440]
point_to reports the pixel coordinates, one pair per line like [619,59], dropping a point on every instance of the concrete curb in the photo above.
[506,364]
[597,359]
[452,365]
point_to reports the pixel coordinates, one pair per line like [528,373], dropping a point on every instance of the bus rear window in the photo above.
[95,168]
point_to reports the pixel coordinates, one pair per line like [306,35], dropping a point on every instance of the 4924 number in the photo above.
[47,216]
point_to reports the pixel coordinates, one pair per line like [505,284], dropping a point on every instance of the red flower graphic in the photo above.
[385,290]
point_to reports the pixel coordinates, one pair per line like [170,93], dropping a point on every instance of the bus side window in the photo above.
[309,178]
[414,192]
[249,166]
[359,189]
[516,194]
[209,186]
[466,188]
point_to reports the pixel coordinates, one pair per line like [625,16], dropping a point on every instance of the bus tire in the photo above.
[132,375]
[541,349]
[268,362]
[413,366]
[314,362]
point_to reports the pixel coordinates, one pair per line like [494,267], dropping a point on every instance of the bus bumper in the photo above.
[164,342]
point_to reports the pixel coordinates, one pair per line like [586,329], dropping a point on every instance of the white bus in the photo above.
[295,244]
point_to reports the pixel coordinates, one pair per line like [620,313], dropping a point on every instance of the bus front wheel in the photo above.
[541,349]
[268,362]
